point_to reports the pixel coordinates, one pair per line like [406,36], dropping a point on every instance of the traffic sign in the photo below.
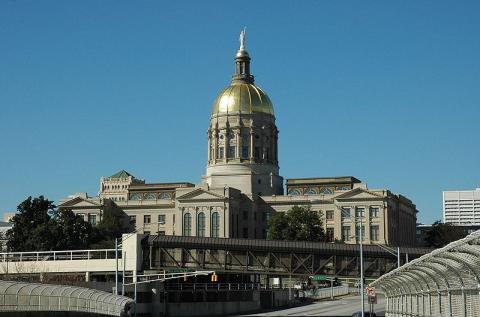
[318,278]
[370,291]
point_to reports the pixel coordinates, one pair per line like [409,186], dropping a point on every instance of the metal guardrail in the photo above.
[69,255]
[212,286]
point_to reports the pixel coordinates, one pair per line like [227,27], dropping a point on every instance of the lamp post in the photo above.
[361,269]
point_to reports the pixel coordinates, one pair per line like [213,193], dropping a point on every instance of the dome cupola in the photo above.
[242,96]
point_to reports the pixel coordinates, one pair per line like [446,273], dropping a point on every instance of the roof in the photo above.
[270,245]
[243,98]
[121,174]
[323,180]
[153,186]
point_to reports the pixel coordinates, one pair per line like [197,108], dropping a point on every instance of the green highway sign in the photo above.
[318,278]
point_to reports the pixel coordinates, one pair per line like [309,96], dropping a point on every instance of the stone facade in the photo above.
[242,186]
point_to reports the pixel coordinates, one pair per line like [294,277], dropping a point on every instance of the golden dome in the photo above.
[243,98]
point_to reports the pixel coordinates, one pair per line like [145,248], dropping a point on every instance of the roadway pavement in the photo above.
[345,306]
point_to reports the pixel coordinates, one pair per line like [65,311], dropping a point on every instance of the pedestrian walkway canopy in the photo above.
[30,297]
[444,282]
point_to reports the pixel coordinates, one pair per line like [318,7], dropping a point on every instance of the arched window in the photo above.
[150,196]
[201,225]
[310,191]
[187,224]
[165,196]
[215,228]
[294,192]
[326,191]
[135,197]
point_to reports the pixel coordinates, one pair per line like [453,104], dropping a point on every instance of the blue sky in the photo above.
[385,91]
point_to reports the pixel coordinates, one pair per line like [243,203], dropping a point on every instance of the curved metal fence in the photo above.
[445,282]
[17,296]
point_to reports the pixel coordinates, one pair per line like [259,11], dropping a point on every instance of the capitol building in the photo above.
[242,186]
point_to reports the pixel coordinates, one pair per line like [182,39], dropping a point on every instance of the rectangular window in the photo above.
[257,152]
[359,212]
[245,151]
[81,216]
[330,234]
[357,233]
[161,219]
[146,232]
[221,152]
[147,219]
[92,219]
[329,215]
[374,212]
[231,152]
[133,220]
[374,231]
[161,233]
[346,233]
[345,212]
[245,233]
[245,215]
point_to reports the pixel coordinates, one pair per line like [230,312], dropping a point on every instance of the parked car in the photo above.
[366,314]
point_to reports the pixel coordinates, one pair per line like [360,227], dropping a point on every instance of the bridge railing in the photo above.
[212,286]
[31,297]
[445,282]
[69,255]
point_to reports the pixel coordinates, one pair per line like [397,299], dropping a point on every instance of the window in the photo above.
[330,234]
[374,211]
[257,152]
[135,197]
[201,225]
[147,219]
[357,233]
[165,196]
[374,230]
[231,152]
[245,215]
[215,225]
[329,214]
[81,216]
[245,232]
[245,151]
[221,152]
[187,224]
[326,191]
[161,219]
[310,191]
[150,196]
[146,232]
[346,233]
[92,219]
[161,233]
[294,192]
[345,212]
[133,220]
[359,212]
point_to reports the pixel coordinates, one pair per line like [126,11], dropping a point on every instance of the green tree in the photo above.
[113,224]
[297,224]
[33,228]
[39,226]
[442,234]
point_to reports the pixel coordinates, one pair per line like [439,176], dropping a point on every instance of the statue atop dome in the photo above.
[242,38]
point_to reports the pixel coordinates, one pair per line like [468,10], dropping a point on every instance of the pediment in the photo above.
[358,193]
[200,194]
[79,202]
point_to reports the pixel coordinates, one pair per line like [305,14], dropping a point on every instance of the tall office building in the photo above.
[461,207]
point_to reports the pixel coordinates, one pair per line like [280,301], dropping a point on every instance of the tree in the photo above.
[442,234]
[33,228]
[39,226]
[297,224]
[113,224]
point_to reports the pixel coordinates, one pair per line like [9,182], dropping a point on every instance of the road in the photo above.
[341,307]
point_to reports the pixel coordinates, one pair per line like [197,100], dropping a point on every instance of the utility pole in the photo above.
[361,269]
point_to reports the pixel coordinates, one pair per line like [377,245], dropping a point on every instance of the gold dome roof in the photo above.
[244,98]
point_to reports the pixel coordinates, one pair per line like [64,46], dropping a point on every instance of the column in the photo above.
[238,155]
[251,145]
